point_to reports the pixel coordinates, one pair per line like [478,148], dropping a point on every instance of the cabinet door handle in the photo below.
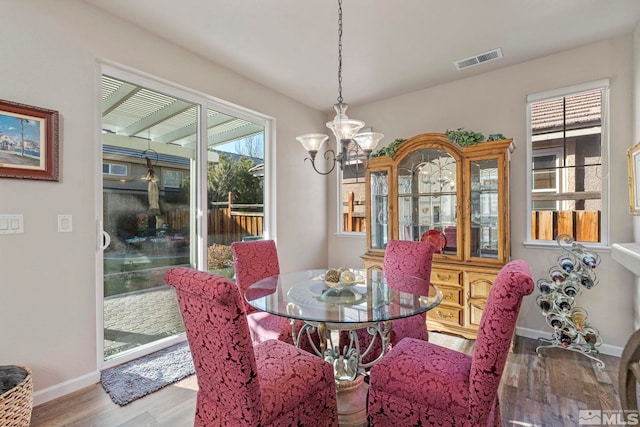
[448,296]
[446,277]
[444,316]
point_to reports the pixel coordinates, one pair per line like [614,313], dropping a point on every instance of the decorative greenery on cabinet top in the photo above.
[460,137]
[390,149]
[468,137]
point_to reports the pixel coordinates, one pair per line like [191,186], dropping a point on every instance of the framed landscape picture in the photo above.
[28,142]
[634,179]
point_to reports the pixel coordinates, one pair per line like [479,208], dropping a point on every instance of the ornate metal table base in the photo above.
[347,363]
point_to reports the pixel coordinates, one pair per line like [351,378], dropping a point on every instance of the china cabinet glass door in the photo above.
[484,208]
[379,205]
[427,199]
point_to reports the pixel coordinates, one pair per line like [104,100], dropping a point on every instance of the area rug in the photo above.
[133,380]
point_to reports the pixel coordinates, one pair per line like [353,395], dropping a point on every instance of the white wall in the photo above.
[494,102]
[49,58]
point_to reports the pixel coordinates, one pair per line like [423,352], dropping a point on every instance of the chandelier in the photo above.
[345,129]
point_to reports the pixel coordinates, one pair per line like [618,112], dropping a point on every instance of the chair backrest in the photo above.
[254,260]
[405,257]
[218,334]
[495,333]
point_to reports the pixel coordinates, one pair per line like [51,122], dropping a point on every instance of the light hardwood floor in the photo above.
[547,390]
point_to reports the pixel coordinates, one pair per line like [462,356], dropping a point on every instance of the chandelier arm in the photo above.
[326,156]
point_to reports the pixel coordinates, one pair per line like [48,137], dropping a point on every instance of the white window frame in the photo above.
[557,152]
[602,85]
[115,175]
[166,183]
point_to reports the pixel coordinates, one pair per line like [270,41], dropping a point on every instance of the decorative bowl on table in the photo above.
[341,277]
[341,295]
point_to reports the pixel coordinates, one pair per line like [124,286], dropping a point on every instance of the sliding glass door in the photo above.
[157,175]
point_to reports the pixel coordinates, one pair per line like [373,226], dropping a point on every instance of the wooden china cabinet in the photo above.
[459,197]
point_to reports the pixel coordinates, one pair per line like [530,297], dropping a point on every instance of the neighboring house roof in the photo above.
[133,153]
[582,110]
[236,156]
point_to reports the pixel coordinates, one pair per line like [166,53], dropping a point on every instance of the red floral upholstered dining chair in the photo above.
[420,383]
[407,258]
[402,258]
[256,260]
[240,384]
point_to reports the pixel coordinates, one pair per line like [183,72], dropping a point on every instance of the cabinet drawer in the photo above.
[445,277]
[451,295]
[446,314]
[480,284]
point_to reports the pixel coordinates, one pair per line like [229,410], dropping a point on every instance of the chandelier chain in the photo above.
[340,51]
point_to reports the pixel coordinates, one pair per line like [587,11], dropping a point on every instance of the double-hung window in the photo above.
[567,140]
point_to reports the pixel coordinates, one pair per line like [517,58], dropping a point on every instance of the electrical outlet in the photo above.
[65,223]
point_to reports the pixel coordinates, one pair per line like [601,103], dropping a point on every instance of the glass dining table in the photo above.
[322,312]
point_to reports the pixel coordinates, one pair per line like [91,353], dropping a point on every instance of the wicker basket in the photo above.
[16,404]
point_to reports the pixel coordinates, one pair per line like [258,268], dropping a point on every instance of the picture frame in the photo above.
[28,142]
[633,155]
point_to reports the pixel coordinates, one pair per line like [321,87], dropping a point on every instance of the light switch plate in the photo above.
[65,223]
[11,224]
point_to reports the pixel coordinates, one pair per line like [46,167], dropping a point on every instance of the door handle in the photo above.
[104,239]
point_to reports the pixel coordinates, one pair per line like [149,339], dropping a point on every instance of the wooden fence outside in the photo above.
[226,226]
[352,221]
[583,226]
[226,222]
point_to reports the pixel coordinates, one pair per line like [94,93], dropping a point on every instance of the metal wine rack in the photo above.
[573,272]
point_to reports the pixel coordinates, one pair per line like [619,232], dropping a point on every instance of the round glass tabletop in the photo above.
[306,296]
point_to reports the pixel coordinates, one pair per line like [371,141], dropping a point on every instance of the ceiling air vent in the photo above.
[479,59]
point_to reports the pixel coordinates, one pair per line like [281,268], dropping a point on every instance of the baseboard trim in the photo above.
[59,390]
[607,349]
